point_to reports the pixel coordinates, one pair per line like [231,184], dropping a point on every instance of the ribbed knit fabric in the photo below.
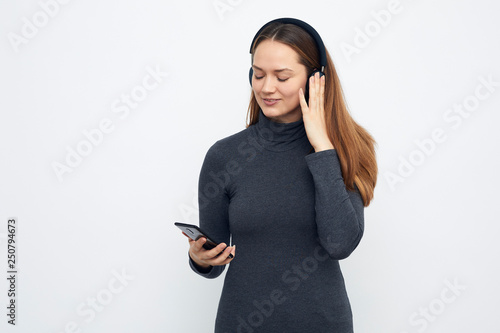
[291,218]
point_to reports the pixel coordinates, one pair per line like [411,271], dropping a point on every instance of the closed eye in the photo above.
[260,77]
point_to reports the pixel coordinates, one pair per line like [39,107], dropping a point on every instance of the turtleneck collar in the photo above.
[279,136]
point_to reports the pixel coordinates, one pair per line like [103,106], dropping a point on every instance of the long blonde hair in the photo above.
[354,145]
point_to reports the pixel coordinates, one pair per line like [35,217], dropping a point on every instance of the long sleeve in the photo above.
[213,204]
[339,213]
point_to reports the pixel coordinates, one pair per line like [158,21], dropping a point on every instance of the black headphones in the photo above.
[310,30]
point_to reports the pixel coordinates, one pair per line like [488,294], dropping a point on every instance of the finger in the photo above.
[302,100]
[317,82]
[312,94]
[211,254]
[224,258]
[317,90]
[322,93]
[199,243]
[232,252]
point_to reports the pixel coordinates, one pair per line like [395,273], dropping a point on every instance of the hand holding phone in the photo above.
[204,250]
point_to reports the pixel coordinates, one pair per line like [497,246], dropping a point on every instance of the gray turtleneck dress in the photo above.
[288,212]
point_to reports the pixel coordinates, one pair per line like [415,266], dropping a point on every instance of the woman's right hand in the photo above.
[206,258]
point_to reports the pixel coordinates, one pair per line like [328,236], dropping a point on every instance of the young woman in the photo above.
[289,190]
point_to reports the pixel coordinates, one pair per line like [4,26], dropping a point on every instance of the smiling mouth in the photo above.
[270,101]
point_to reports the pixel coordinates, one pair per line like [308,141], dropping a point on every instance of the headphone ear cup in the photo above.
[320,73]
[306,95]
[250,74]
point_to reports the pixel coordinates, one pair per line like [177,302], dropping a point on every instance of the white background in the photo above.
[114,212]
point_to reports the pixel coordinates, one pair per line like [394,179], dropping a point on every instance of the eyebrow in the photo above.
[276,71]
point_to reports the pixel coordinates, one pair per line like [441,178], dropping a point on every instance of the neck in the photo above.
[279,136]
[290,117]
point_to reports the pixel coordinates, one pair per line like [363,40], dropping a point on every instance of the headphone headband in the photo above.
[310,30]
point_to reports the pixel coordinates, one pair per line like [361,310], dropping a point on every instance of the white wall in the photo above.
[431,225]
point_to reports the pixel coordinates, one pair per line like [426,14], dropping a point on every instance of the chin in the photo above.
[271,111]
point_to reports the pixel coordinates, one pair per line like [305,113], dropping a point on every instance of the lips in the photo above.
[270,101]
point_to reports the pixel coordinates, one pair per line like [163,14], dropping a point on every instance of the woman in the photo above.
[290,190]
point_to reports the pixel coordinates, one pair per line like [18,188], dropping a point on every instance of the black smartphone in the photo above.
[194,232]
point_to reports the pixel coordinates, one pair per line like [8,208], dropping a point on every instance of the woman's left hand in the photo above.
[314,114]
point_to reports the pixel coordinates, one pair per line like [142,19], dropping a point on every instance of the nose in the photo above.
[268,86]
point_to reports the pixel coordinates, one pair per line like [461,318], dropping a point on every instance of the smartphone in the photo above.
[194,232]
